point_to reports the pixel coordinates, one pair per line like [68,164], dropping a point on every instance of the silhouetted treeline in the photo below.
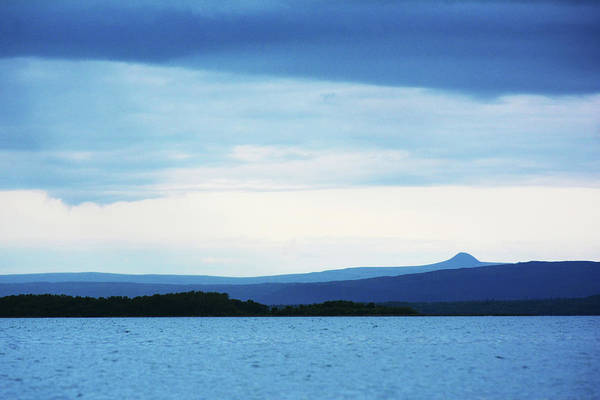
[186,304]
[172,305]
[574,306]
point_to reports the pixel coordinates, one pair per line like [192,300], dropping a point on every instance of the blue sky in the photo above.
[156,107]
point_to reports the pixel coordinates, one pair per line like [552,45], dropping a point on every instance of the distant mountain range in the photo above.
[461,260]
[470,282]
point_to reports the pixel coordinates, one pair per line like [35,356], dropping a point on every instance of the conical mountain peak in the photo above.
[463,260]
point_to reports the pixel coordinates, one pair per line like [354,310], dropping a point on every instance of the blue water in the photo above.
[301,358]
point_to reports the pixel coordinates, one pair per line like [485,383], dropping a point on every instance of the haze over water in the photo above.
[255,358]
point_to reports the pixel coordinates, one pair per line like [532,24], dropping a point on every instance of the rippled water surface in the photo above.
[256,358]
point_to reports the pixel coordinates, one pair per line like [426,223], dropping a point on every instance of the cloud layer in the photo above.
[103,131]
[487,47]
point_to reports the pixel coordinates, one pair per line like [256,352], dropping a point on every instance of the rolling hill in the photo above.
[460,260]
[520,281]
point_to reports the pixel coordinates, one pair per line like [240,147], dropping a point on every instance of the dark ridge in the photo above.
[522,281]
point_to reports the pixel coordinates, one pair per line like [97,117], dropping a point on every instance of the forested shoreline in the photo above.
[188,304]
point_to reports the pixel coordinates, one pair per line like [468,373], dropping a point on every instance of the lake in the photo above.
[301,358]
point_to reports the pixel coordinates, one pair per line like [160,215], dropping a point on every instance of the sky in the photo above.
[266,137]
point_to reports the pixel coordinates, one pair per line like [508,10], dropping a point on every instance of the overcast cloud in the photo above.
[482,47]
[106,131]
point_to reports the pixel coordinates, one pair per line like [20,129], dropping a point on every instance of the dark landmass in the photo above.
[520,281]
[577,306]
[342,308]
[190,304]
[460,260]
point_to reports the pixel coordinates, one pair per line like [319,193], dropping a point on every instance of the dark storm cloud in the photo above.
[485,48]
